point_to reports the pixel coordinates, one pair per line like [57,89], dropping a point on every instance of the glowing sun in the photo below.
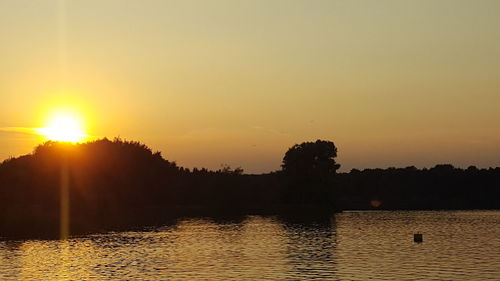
[64,127]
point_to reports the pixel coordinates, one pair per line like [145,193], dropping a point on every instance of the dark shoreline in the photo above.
[121,184]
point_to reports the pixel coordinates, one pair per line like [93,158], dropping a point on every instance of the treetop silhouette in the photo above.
[311,160]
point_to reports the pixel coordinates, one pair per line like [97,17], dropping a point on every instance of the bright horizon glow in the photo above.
[64,127]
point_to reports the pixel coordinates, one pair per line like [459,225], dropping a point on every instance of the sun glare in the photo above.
[64,127]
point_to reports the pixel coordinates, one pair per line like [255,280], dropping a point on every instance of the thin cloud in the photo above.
[36,132]
[19,130]
[271,131]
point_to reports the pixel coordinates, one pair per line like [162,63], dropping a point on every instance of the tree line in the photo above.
[121,184]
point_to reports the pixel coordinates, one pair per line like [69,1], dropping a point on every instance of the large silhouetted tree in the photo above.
[310,167]
[311,161]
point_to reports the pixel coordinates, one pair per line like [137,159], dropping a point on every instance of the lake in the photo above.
[457,245]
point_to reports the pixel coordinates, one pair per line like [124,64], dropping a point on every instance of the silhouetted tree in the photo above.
[311,161]
[309,168]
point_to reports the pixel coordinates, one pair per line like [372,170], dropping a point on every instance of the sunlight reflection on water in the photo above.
[461,245]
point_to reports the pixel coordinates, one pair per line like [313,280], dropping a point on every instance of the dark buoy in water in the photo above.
[418,238]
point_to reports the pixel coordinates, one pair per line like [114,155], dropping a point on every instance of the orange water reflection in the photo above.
[347,246]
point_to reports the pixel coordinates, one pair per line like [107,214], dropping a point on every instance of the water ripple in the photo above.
[461,245]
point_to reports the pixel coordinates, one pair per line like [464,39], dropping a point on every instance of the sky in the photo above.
[392,83]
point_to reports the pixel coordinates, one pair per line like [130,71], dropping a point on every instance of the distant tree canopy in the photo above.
[311,160]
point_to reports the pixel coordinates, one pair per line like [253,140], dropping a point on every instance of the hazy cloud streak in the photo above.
[21,130]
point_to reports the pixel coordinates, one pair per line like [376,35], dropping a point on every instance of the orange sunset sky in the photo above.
[392,83]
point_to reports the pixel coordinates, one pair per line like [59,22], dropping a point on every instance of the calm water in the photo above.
[462,245]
